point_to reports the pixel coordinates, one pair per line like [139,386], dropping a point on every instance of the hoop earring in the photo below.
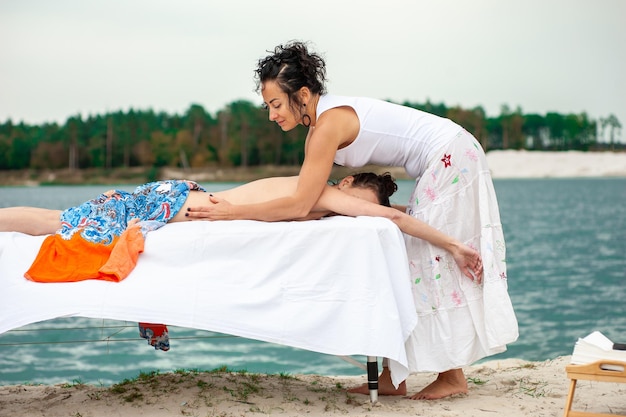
[306,120]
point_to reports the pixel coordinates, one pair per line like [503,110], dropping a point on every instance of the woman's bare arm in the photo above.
[333,128]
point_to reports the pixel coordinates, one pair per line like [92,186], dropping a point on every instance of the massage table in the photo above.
[338,286]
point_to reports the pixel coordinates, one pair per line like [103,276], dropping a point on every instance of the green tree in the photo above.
[238,140]
[614,127]
[579,132]
[240,135]
[94,152]
[20,147]
[556,126]
[511,124]
[72,134]
[536,131]
[472,120]
[162,146]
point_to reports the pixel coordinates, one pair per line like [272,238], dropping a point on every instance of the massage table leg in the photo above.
[372,378]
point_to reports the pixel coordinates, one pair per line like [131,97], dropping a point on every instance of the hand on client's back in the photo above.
[220,210]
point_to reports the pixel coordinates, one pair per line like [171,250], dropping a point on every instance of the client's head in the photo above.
[376,188]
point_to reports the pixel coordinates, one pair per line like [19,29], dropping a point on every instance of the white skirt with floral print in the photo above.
[459,321]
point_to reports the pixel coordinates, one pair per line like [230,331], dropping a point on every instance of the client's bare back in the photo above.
[40,221]
[258,191]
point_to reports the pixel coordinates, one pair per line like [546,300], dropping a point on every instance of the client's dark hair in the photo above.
[384,185]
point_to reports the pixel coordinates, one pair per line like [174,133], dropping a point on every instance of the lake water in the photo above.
[566,257]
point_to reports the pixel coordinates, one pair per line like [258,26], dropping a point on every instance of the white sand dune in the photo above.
[526,164]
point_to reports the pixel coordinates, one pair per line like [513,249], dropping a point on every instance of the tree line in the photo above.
[241,135]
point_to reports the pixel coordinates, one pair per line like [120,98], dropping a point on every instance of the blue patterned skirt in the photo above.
[101,219]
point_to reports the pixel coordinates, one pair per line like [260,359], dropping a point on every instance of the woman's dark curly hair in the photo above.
[292,66]
[384,185]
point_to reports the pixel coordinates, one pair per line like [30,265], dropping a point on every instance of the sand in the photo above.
[497,388]
[569,164]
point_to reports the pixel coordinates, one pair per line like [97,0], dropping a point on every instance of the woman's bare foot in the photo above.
[385,386]
[447,383]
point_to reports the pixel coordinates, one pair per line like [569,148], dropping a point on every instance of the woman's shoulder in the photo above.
[333,100]
[358,103]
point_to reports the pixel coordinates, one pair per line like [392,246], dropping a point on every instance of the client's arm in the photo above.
[468,259]
[399,207]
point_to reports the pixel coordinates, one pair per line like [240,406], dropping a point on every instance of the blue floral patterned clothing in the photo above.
[152,204]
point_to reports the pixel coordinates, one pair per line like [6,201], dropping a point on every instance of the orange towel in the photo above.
[61,260]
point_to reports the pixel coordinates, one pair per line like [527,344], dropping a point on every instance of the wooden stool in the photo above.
[592,372]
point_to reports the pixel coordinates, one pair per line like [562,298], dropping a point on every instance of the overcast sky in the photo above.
[64,57]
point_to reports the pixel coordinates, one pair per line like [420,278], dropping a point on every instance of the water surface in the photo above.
[566,259]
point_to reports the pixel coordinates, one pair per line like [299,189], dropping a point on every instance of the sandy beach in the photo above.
[498,388]
[567,164]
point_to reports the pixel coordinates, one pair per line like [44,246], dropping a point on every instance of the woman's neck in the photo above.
[312,108]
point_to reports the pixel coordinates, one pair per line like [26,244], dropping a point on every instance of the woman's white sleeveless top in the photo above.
[391,134]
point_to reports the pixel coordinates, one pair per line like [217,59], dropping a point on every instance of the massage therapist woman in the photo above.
[461,320]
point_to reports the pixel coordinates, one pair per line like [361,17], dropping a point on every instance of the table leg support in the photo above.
[372,378]
[570,398]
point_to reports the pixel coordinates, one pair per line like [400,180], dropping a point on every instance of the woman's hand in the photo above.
[219,210]
[469,261]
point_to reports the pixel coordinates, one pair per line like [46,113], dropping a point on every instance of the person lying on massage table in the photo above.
[107,216]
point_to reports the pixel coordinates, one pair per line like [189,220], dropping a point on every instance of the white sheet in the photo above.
[338,286]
